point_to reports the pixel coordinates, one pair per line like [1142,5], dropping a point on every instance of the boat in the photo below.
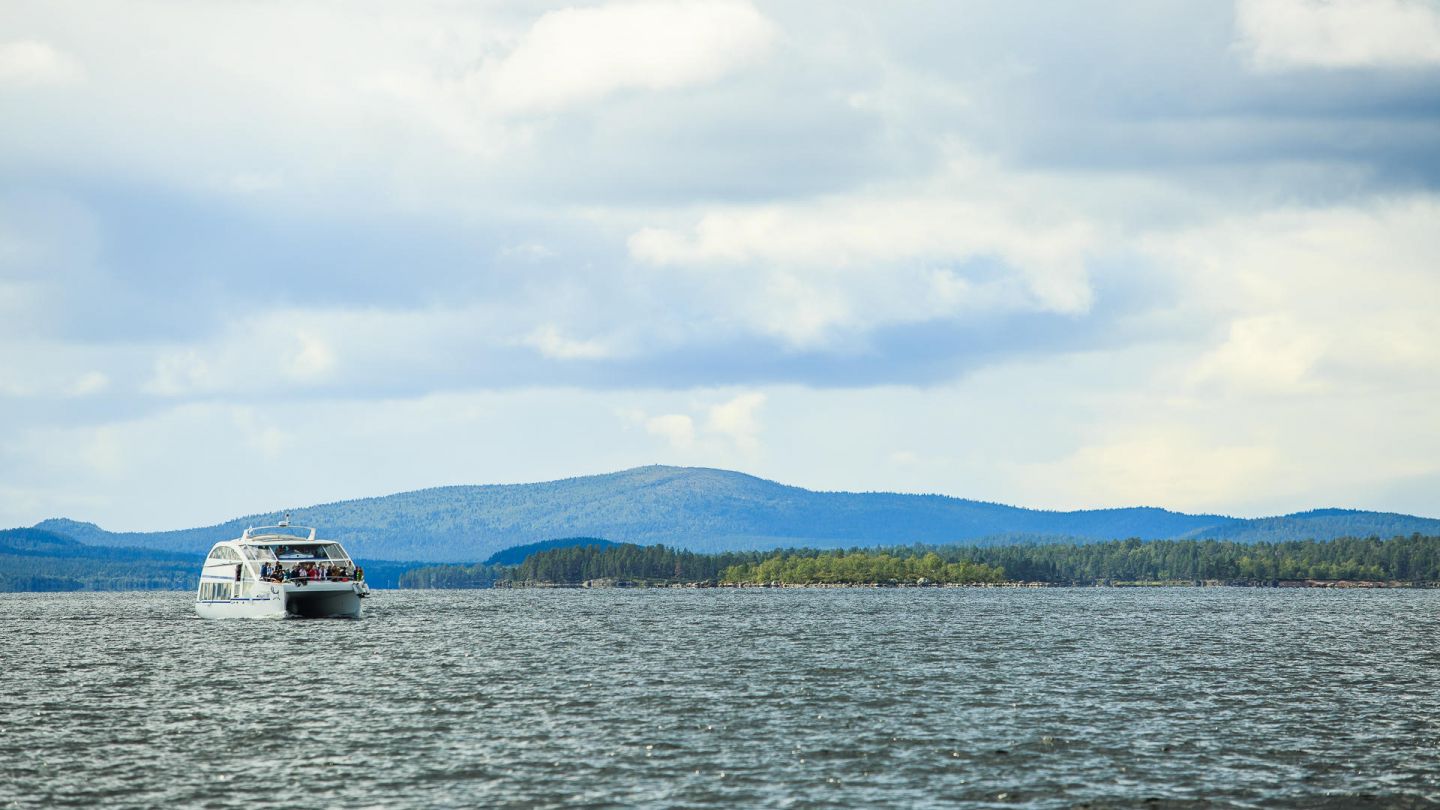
[271,572]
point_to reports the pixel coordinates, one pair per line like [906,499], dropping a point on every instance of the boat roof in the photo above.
[281,533]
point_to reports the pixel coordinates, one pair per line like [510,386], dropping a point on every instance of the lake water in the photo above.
[750,698]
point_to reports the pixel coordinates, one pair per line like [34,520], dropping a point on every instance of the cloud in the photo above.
[725,427]
[1162,465]
[1309,300]
[550,343]
[884,256]
[915,228]
[738,419]
[34,63]
[252,182]
[1265,353]
[267,439]
[182,372]
[1297,34]
[676,428]
[577,55]
[313,358]
[89,384]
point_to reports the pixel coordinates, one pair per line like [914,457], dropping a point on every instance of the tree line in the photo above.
[861,568]
[1412,558]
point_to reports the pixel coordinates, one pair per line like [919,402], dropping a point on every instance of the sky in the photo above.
[259,254]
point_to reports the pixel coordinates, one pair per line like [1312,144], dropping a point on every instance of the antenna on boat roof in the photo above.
[285,521]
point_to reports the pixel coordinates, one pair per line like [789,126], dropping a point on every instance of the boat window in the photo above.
[211,591]
[296,552]
[332,551]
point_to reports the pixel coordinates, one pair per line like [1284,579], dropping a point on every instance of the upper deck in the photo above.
[286,542]
[282,543]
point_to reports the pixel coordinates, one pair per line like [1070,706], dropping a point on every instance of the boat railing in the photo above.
[355,575]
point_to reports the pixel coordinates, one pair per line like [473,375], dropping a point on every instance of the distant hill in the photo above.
[517,554]
[1320,524]
[717,510]
[39,560]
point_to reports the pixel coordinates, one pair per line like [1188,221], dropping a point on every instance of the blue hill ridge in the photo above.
[705,509]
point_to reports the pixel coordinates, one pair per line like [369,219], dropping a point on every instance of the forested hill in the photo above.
[39,560]
[718,510]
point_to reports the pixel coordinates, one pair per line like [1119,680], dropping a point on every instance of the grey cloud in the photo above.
[1160,87]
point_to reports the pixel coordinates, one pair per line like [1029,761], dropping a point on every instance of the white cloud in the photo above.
[267,439]
[575,55]
[246,183]
[549,341]
[306,347]
[1264,353]
[882,256]
[88,384]
[1166,465]
[30,62]
[182,372]
[529,251]
[738,419]
[676,428]
[313,359]
[104,453]
[1284,34]
[1313,299]
[712,431]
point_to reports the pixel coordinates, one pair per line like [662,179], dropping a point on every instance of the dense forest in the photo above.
[517,554]
[629,562]
[1411,559]
[862,567]
[453,576]
[37,560]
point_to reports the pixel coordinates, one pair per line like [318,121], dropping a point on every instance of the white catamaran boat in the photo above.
[278,571]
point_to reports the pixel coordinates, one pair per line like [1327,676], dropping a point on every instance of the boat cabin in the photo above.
[236,568]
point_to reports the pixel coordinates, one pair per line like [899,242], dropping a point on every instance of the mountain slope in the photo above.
[39,560]
[711,510]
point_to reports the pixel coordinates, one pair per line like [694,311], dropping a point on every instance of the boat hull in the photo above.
[273,600]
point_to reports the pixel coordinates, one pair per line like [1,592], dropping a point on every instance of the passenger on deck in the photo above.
[265,571]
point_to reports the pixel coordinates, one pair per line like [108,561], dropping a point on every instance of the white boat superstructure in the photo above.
[278,571]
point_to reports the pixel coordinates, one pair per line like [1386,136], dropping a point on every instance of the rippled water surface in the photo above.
[813,698]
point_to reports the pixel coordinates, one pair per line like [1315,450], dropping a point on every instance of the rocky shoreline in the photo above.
[1210,583]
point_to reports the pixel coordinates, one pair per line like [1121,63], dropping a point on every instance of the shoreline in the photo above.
[1267,584]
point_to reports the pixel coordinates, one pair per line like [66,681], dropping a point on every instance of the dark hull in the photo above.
[323,604]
